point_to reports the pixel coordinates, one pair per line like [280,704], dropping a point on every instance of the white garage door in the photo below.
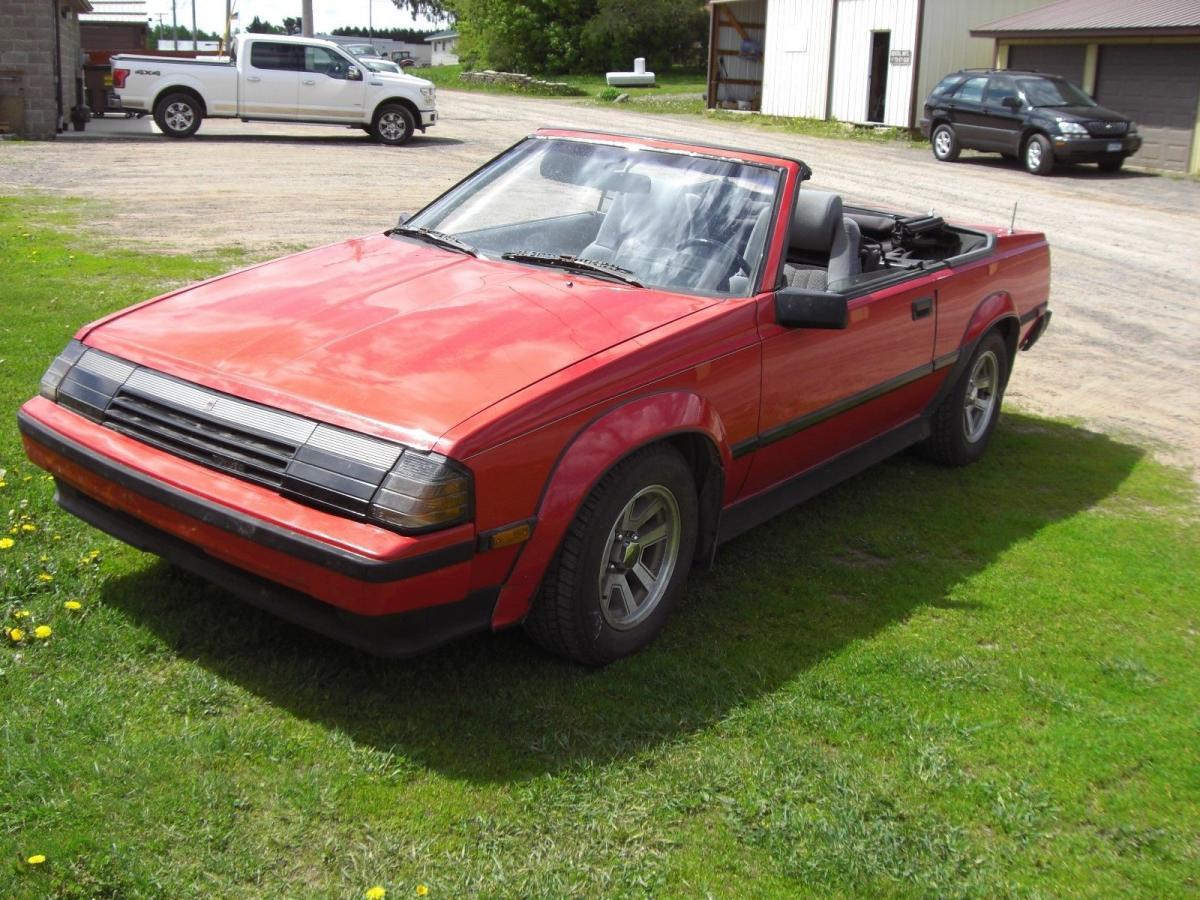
[1159,86]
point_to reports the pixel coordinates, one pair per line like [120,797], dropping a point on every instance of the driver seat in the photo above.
[823,245]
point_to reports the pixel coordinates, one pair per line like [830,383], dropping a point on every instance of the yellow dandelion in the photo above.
[6,543]
[42,632]
[93,554]
[28,529]
[21,614]
[375,893]
[45,577]
[16,634]
[37,859]
[422,890]
[72,605]
[3,484]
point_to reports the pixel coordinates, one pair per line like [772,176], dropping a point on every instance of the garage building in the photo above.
[861,61]
[1141,59]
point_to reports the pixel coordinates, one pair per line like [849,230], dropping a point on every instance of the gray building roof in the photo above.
[1079,18]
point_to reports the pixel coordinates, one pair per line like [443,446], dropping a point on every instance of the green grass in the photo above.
[677,81]
[925,682]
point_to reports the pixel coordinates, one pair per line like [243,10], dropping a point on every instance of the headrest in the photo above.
[815,221]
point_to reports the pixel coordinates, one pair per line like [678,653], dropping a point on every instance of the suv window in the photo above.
[1053,92]
[972,89]
[999,87]
[946,86]
[266,55]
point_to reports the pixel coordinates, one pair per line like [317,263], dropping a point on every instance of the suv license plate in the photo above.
[1114,146]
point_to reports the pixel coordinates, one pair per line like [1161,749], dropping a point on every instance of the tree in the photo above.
[426,9]
[523,35]
[258,26]
[666,32]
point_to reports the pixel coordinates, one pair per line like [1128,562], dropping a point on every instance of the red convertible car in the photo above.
[541,399]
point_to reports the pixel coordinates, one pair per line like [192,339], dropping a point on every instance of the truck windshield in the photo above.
[669,220]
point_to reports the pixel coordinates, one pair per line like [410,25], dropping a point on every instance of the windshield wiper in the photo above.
[575,264]
[441,239]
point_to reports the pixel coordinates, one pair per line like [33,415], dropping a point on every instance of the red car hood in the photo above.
[381,335]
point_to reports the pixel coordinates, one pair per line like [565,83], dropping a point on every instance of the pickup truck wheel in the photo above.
[178,115]
[945,143]
[1039,155]
[964,422]
[623,562]
[393,125]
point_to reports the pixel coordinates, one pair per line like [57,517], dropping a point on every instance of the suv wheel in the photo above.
[1039,155]
[945,143]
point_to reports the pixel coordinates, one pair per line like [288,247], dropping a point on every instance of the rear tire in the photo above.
[1038,155]
[945,143]
[623,562]
[178,115]
[965,419]
[1112,165]
[393,125]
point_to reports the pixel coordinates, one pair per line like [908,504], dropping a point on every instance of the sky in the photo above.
[210,14]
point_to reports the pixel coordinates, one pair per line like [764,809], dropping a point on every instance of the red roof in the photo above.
[1099,17]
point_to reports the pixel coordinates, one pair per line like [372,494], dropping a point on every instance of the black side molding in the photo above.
[308,549]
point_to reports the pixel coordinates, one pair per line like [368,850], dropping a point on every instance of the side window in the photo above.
[946,86]
[324,62]
[999,87]
[972,90]
[266,55]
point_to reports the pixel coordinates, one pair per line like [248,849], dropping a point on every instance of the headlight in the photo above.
[423,491]
[1071,128]
[58,370]
[1133,128]
[429,94]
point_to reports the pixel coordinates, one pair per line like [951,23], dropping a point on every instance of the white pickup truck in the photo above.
[274,78]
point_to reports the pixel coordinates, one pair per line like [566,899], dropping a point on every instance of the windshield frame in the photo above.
[496,165]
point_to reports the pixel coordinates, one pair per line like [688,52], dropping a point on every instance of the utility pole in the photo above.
[306,18]
[228,21]
[371,22]
[174,27]
[195,33]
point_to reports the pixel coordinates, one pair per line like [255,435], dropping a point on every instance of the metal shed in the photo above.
[1142,59]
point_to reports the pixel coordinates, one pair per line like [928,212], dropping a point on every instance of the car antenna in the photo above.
[1012,225]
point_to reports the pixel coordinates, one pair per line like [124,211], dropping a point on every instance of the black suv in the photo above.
[1040,119]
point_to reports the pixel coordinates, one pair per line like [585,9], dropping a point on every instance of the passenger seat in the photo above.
[823,245]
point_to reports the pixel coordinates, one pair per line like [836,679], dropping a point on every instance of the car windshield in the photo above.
[669,220]
[1053,92]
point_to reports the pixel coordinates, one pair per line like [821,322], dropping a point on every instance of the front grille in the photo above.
[1107,129]
[201,439]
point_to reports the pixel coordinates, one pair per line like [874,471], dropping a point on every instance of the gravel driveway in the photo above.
[1123,354]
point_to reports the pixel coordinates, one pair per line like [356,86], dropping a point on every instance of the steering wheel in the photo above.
[735,258]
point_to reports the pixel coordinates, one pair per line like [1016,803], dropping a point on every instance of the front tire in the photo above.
[963,424]
[623,562]
[178,115]
[393,125]
[1039,155]
[945,143]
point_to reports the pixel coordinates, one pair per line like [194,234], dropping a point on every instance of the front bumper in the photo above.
[335,575]
[1089,149]
[429,118]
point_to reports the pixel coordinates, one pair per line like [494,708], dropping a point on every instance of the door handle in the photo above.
[253,78]
[307,81]
[921,308]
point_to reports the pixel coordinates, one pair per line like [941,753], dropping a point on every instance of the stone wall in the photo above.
[27,43]
[522,83]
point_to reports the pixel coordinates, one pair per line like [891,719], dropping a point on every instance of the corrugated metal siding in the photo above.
[1078,15]
[946,42]
[735,66]
[796,65]
[856,21]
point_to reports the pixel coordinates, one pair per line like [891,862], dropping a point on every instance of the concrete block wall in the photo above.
[27,44]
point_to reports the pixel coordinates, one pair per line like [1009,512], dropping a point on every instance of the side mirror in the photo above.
[802,308]
[354,74]
[1013,103]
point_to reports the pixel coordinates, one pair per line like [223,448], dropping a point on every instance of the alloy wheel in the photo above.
[979,402]
[639,557]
